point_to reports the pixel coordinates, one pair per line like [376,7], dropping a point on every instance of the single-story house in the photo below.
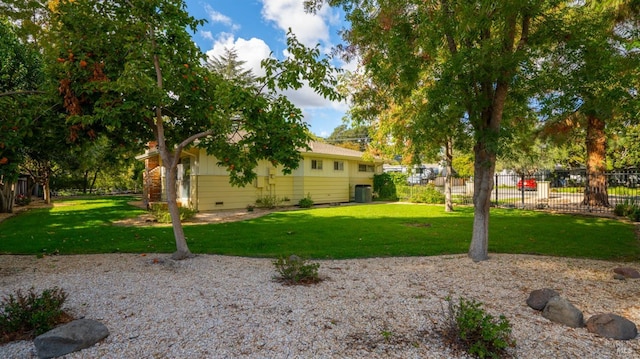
[327,173]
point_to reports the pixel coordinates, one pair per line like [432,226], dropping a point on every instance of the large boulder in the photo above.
[612,326]
[561,311]
[627,272]
[538,298]
[71,337]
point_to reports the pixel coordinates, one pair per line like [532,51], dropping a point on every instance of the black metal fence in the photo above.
[557,191]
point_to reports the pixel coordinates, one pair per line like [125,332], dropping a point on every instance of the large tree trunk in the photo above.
[46,188]
[595,192]
[93,181]
[7,196]
[484,166]
[484,169]
[85,182]
[448,158]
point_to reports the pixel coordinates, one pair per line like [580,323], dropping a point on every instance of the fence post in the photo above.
[522,188]
[496,187]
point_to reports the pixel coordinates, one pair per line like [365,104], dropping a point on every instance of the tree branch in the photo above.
[192,138]
[451,42]
[26,92]
[524,37]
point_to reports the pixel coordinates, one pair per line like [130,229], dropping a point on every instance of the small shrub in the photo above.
[306,202]
[162,215]
[25,316]
[628,208]
[267,201]
[469,327]
[428,194]
[296,270]
[22,200]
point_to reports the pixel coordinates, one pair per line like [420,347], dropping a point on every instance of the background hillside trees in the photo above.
[20,78]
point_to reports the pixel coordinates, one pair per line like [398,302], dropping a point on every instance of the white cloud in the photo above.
[305,97]
[218,17]
[310,28]
[207,35]
[251,51]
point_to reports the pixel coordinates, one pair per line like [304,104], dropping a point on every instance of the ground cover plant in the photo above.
[377,230]
[294,270]
[467,326]
[161,213]
[27,315]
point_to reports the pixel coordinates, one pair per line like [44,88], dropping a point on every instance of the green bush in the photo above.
[306,202]
[469,327]
[296,270]
[22,200]
[628,208]
[267,201]
[25,316]
[427,194]
[385,184]
[162,215]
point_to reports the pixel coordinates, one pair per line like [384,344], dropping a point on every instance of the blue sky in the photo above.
[256,28]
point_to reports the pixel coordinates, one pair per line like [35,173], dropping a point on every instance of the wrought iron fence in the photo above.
[557,191]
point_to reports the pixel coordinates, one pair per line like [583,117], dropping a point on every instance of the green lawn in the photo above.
[84,226]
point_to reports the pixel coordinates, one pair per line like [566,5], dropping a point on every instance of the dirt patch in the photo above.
[222,216]
[417,224]
[19,209]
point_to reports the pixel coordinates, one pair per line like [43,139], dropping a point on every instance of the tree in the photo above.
[396,128]
[354,138]
[129,68]
[29,16]
[20,75]
[592,72]
[625,147]
[466,57]
[231,68]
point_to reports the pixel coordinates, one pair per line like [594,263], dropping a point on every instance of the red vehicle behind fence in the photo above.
[530,184]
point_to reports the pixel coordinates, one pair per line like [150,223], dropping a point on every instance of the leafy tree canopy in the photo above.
[129,69]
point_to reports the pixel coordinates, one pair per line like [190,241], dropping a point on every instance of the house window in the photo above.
[365,168]
[338,166]
[316,164]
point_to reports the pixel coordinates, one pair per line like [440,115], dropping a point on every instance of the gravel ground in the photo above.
[229,307]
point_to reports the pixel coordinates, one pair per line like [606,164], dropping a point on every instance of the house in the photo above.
[327,173]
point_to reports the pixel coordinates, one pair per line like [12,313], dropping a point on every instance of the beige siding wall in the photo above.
[357,178]
[216,189]
[327,185]
[327,189]
[356,181]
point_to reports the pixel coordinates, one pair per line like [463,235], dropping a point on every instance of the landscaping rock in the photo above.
[619,277]
[71,337]
[538,298]
[627,272]
[559,310]
[612,326]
